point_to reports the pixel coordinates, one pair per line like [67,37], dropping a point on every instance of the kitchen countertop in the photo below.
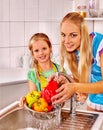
[14,75]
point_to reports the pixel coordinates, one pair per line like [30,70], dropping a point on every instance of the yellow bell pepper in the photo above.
[41,105]
[32,97]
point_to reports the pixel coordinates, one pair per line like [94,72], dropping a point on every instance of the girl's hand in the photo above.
[22,102]
[60,79]
[64,92]
[51,77]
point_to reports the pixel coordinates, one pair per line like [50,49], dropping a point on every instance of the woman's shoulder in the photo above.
[97,39]
[97,43]
[96,35]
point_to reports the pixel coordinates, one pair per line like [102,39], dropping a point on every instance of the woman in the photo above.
[84,54]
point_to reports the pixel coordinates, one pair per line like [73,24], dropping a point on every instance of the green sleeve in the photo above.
[32,76]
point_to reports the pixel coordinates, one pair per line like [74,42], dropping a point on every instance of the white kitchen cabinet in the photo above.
[12,92]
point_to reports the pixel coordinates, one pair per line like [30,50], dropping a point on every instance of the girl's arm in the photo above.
[32,86]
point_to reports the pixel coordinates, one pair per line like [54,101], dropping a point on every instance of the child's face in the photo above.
[70,36]
[41,51]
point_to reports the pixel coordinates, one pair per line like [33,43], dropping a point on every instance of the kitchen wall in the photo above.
[20,19]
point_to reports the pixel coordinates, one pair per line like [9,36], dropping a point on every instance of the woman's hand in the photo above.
[64,92]
[81,97]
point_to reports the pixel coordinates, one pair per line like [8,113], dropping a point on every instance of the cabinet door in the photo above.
[11,93]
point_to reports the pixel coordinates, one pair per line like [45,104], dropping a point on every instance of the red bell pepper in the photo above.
[49,91]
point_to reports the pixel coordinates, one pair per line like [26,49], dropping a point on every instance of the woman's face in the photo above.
[41,51]
[70,36]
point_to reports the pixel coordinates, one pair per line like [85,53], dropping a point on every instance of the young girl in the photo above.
[41,50]
[84,54]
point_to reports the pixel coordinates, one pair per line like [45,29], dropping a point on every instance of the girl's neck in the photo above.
[47,66]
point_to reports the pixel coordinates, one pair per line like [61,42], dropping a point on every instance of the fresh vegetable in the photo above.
[32,97]
[41,105]
[49,91]
[41,101]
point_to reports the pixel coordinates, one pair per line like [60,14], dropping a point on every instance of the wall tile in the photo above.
[17,34]
[4,58]
[46,27]
[95,26]
[27,51]
[17,10]
[55,34]
[15,56]
[98,26]
[57,11]
[90,25]
[56,53]
[30,29]
[45,10]
[4,34]
[4,10]
[20,19]
[31,10]
[101,4]
[67,6]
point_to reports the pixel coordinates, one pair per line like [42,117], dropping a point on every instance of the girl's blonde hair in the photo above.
[33,39]
[79,70]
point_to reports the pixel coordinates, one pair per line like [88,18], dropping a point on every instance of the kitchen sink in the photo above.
[79,121]
[22,119]
[16,120]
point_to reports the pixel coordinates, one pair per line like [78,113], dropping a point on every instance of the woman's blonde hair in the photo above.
[33,39]
[79,70]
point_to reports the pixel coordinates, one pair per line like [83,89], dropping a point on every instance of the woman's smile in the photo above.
[69,46]
[70,36]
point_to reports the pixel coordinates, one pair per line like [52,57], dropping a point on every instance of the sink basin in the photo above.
[79,121]
[17,120]
[21,119]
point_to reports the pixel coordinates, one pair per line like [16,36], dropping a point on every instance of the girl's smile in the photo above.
[41,51]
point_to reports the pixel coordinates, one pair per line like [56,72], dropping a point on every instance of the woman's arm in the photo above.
[68,89]
[96,87]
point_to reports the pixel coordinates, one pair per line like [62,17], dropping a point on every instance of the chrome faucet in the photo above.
[73,102]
